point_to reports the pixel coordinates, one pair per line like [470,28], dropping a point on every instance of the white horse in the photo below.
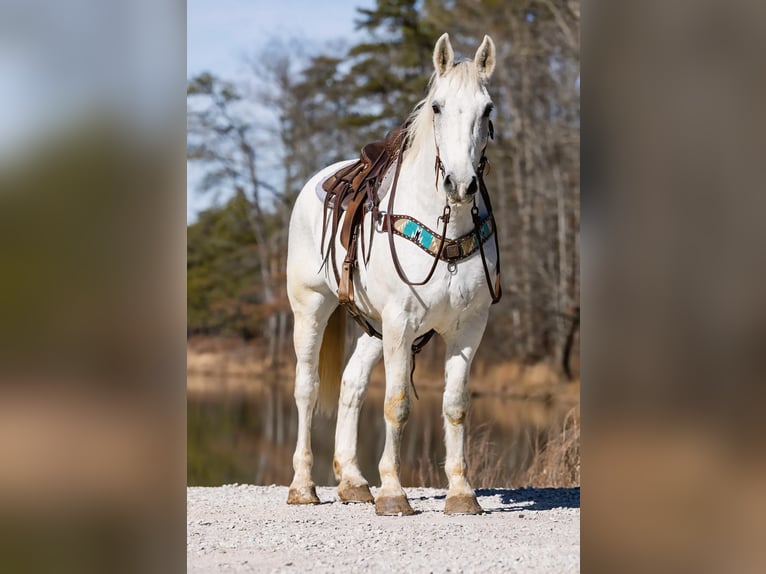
[450,129]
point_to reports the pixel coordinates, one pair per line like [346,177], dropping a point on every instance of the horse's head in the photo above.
[460,108]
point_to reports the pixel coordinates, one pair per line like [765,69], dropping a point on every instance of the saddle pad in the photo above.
[326,174]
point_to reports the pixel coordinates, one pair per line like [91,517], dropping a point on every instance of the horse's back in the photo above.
[304,249]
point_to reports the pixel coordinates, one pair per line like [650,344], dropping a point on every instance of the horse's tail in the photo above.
[331,357]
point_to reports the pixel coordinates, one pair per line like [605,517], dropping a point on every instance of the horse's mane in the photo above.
[462,75]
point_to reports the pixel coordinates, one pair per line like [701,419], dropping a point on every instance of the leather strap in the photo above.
[497,292]
[445,216]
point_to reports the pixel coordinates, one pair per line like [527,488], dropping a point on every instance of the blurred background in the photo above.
[92,310]
[271,100]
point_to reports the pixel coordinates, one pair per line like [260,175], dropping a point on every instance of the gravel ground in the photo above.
[241,528]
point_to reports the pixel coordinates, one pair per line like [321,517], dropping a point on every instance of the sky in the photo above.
[221,33]
[63,64]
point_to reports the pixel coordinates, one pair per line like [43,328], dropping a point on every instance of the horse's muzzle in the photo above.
[458,191]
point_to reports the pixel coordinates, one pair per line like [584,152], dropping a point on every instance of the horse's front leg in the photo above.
[461,347]
[397,354]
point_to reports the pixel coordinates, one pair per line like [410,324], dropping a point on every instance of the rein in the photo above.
[445,217]
[497,292]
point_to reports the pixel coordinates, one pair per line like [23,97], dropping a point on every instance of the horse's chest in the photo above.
[462,289]
[451,293]
[460,292]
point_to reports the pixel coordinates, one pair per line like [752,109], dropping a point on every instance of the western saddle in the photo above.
[353,190]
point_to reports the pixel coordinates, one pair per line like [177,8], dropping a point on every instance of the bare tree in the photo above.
[222,139]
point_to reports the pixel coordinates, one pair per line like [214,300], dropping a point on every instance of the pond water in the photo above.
[245,432]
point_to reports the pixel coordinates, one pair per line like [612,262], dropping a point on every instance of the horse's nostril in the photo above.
[473,186]
[448,181]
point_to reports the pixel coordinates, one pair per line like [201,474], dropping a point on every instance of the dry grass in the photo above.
[234,359]
[430,474]
[486,468]
[557,461]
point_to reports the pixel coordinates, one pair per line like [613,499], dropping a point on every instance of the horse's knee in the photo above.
[397,408]
[454,407]
[455,415]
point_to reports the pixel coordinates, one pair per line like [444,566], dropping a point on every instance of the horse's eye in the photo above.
[488,110]
[435,107]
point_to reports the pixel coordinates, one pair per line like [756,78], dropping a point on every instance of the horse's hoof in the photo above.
[462,504]
[302,495]
[393,506]
[350,493]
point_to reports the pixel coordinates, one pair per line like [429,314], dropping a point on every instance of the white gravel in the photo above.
[242,528]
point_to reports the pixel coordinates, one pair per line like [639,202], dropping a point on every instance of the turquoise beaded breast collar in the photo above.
[429,241]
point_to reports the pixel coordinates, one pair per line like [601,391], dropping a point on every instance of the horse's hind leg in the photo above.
[461,348]
[353,487]
[311,311]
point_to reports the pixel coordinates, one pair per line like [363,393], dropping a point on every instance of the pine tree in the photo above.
[389,73]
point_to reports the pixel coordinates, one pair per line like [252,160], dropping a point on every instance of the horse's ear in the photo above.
[485,58]
[444,57]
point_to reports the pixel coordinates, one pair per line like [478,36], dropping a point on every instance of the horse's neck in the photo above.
[417,196]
